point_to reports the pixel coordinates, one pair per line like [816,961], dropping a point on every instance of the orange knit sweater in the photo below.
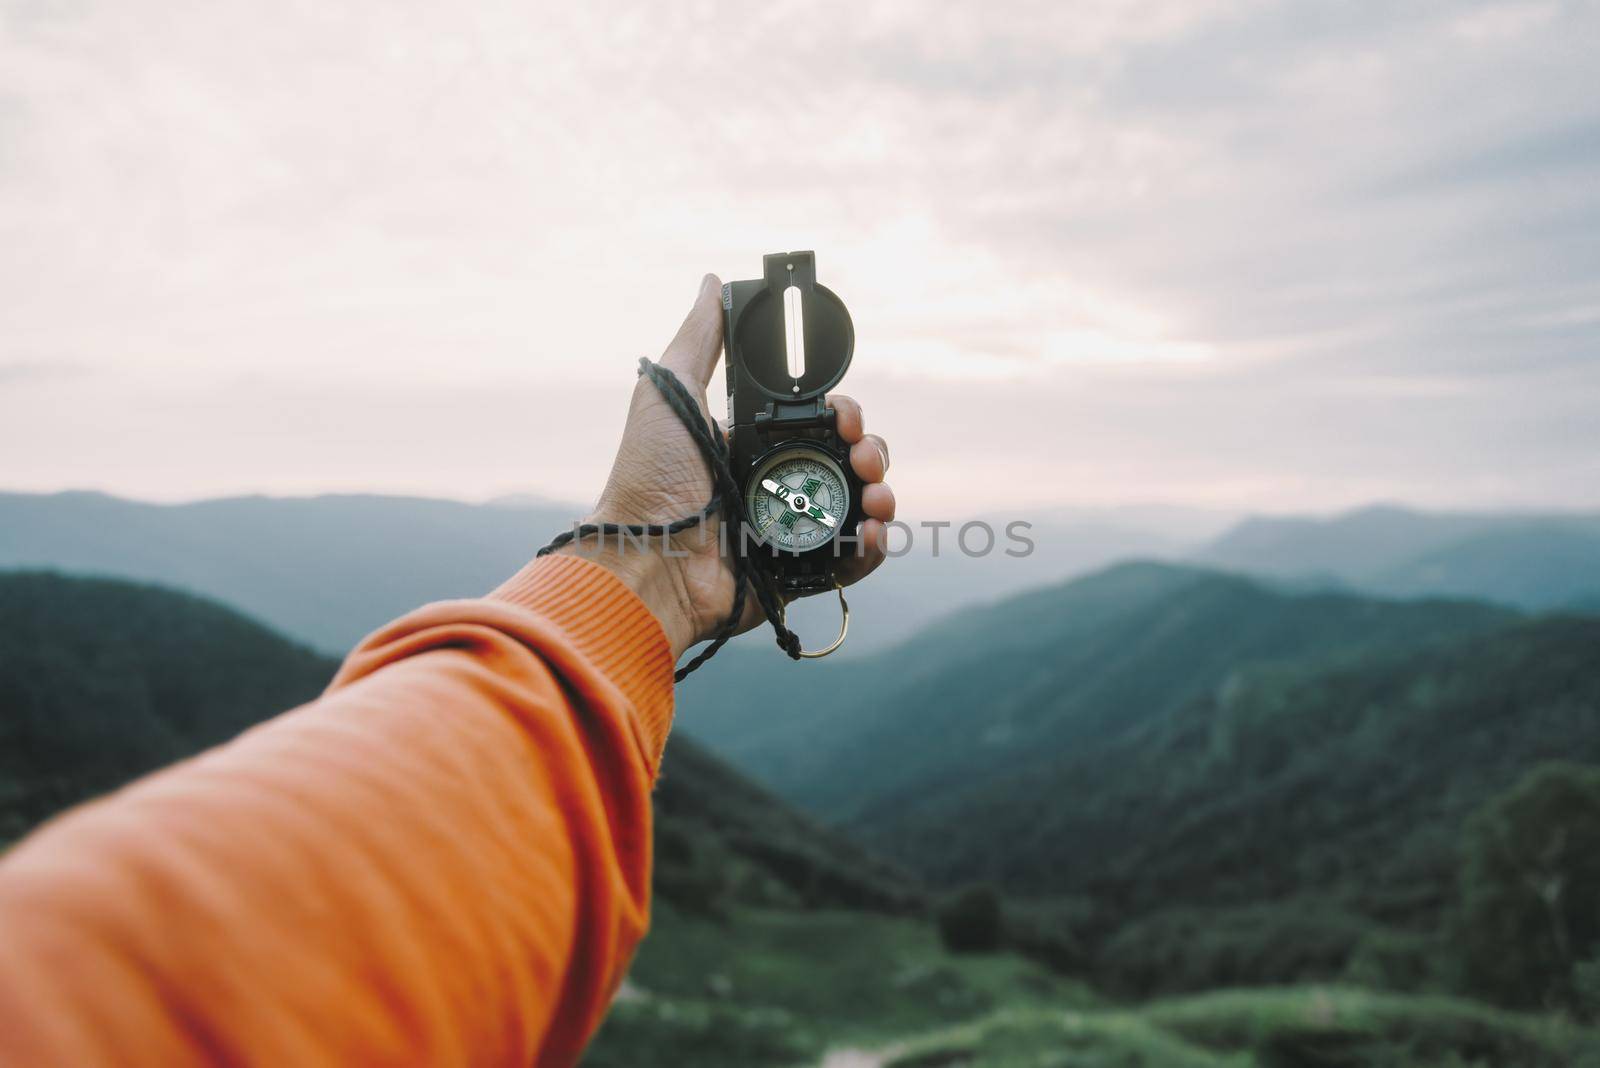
[443,860]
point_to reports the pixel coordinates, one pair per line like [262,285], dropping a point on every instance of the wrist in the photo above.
[652,577]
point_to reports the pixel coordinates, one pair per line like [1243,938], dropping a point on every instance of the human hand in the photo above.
[659,476]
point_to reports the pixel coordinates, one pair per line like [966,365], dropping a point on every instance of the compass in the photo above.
[800,499]
[789,341]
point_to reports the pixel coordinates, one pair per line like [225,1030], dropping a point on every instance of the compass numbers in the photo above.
[797,498]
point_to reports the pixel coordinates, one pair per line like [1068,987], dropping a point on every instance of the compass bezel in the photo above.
[840,466]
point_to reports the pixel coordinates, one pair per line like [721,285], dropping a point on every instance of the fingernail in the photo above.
[707,284]
[883,452]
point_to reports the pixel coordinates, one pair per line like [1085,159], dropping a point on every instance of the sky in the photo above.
[1238,255]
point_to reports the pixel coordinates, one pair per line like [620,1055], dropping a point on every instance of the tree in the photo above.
[1530,887]
[970,921]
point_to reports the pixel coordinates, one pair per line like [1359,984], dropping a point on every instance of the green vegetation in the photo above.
[1187,780]
[1200,783]
[1308,1027]
[761,987]
[102,681]
[971,920]
[1308,824]
[1530,891]
[721,840]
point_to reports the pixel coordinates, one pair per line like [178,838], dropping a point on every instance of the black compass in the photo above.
[789,340]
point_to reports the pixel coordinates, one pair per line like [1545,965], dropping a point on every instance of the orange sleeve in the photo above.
[443,860]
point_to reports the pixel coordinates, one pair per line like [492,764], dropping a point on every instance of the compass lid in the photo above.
[794,338]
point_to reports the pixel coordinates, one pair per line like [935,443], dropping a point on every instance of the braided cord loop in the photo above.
[725,503]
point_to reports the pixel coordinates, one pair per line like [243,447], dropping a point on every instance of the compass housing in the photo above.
[771,408]
[812,492]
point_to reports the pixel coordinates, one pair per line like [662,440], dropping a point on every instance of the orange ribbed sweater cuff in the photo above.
[611,627]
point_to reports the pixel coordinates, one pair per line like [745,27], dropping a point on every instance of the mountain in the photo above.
[1187,779]
[1354,544]
[1320,821]
[1535,566]
[103,680]
[328,570]
[980,700]
[933,579]
[1588,605]
[721,839]
[1347,778]
[1535,562]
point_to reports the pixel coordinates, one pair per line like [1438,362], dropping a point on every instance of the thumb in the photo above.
[694,352]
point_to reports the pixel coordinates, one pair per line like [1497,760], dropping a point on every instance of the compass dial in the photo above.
[797,499]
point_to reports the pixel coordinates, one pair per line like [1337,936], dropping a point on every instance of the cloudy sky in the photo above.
[1273,256]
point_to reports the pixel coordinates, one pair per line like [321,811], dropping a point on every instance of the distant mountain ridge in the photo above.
[329,570]
[1531,561]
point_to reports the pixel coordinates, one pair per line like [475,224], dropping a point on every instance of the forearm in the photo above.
[443,860]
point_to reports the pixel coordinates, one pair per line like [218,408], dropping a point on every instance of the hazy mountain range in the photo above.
[1530,560]
[328,570]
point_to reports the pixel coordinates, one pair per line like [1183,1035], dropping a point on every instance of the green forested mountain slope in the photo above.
[103,680]
[1194,780]
[1188,780]
[722,840]
[1347,783]
[782,719]
[1057,671]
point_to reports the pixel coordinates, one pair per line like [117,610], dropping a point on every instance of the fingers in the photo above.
[873,551]
[848,419]
[877,500]
[694,352]
[870,458]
